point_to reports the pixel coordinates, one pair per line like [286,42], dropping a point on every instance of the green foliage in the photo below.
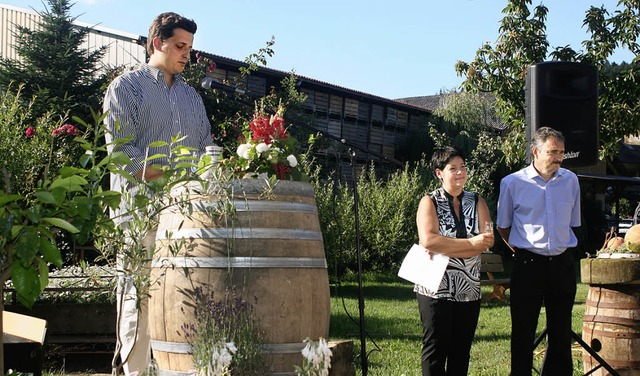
[54,67]
[69,200]
[386,213]
[500,69]
[231,113]
[471,122]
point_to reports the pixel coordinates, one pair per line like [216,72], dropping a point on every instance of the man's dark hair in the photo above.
[542,134]
[164,25]
[442,156]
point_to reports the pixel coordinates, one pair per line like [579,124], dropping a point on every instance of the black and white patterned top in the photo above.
[461,280]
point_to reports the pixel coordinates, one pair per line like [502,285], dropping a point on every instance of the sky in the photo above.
[398,49]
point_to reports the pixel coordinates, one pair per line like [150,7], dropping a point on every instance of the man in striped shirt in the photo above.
[149,104]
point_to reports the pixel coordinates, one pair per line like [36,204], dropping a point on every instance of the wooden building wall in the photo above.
[123,48]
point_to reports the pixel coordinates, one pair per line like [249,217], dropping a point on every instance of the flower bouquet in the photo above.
[265,148]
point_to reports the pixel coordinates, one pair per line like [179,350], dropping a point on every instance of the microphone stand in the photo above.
[363,343]
[352,158]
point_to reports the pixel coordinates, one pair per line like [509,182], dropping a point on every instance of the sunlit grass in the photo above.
[393,328]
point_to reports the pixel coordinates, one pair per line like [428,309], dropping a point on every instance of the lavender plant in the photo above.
[225,326]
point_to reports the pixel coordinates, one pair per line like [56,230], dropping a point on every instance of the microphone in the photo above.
[209,83]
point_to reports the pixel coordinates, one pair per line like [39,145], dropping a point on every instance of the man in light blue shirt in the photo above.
[537,209]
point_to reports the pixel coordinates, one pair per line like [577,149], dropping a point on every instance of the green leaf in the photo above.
[61,223]
[183,165]
[50,252]
[43,271]
[141,201]
[118,158]
[70,184]
[158,144]
[125,174]
[46,197]
[110,198]
[70,171]
[5,199]
[85,159]
[26,283]
[155,156]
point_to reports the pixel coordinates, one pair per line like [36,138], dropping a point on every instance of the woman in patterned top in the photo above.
[449,220]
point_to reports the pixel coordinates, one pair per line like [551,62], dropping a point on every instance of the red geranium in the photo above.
[67,129]
[30,132]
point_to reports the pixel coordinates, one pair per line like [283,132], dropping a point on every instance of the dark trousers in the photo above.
[448,330]
[538,280]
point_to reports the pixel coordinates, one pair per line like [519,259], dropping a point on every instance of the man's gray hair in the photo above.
[544,133]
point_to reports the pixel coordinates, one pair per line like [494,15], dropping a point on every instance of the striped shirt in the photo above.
[148,111]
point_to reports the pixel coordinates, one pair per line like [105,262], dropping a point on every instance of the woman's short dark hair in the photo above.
[442,156]
[164,25]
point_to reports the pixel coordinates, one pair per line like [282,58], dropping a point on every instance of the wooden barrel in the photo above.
[611,326]
[272,251]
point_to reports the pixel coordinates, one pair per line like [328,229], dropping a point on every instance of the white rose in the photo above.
[243,150]
[262,147]
[293,162]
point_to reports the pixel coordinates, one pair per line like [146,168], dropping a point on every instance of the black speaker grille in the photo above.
[564,96]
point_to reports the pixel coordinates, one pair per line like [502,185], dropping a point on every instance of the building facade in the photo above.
[124,49]
[373,129]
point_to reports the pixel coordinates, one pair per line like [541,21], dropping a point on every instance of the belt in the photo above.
[528,256]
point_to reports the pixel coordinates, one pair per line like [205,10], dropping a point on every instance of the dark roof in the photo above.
[429,102]
[317,83]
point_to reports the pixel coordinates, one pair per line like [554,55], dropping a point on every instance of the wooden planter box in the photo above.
[79,337]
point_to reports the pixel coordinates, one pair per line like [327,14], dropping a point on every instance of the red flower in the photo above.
[30,132]
[268,129]
[282,171]
[67,129]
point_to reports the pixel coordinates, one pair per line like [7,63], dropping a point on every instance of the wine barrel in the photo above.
[611,326]
[272,251]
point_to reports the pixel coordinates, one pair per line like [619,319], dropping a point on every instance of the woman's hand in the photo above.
[482,241]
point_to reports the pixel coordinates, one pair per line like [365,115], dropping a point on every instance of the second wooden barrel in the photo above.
[611,325]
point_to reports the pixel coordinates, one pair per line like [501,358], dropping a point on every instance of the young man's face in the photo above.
[174,52]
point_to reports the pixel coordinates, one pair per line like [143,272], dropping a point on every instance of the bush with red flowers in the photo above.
[32,149]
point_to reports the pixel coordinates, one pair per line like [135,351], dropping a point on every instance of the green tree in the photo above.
[477,119]
[63,77]
[500,69]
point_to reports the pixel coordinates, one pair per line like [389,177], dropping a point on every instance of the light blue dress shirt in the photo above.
[540,213]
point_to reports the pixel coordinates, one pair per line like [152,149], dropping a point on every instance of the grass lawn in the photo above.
[393,328]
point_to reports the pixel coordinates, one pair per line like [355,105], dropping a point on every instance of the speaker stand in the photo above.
[585,346]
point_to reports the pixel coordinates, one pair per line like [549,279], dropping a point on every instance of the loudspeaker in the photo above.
[564,96]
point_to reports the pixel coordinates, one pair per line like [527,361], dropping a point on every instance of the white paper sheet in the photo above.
[423,268]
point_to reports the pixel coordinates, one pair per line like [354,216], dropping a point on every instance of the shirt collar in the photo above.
[158,74]
[531,172]
[450,196]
